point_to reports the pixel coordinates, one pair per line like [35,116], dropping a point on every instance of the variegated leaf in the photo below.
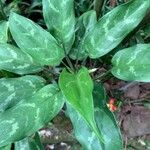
[30,114]
[8,147]
[3,31]
[60,20]
[14,60]
[132,64]
[77,88]
[112,28]
[36,41]
[29,143]
[85,24]
[15,89]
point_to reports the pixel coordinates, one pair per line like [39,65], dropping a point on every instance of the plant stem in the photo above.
[2,11]
[101,76]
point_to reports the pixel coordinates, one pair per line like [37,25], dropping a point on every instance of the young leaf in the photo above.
[77,88]
[14,60]
[36,41]
[132,64]
[60,20]
[85,23]
[15,89]
[114,27]
[104,120]
[29,143]
[3,31]
[30,114]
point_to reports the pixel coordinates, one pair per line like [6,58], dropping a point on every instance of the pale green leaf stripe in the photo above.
[3,31]
[84,24]
[34,40]
[132,64]
[30,114]
[29,143]
[14,60]
[60,20]
[114,27]
[12,90]
[77,88]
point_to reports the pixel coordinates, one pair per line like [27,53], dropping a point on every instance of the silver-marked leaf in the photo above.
[77,88]
[14,60]
[12,90]
[8,147]
[84,24]
[29,143]
[112,28]
[34,40]
[29,115]
[3,31]
[132,64]
[60,20]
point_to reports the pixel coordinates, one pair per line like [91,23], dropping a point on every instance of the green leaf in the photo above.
[77,88]
[85,24]
[15,89]
[112,28]
[3,31]
[30,114]
[132,64]
[29,143]
[60,20]
[104,120]
[34,40]
[14,60]
[8,147]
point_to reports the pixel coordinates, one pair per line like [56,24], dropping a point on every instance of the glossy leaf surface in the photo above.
[14,60]
[77,88]
[15,89]
[36,41]
[112,28]
[29,143]
[104,120]
[60,20]
[3,31]
[30,114]
[132,64]
[84,24]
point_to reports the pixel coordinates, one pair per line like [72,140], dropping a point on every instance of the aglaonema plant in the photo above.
[27,103]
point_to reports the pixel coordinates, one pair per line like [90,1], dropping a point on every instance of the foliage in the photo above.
[60,47]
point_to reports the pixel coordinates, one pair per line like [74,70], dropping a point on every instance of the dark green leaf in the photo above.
[85,23]
[29,143]
[15,89]
[60,19]
[105,121]
[3,31]
[77,88]
[114,27]
[14,60]
[132,64]
[34,40]
[30,114]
